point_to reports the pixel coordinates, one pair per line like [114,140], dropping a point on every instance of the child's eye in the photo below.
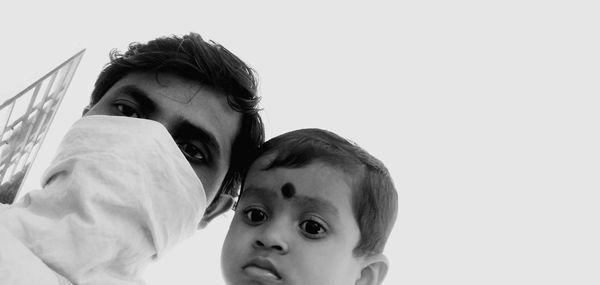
[191,151]
[255,216]
[127,110]
[313,229]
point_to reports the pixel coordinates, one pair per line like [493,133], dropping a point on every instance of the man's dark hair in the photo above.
[374,197]
[209,64]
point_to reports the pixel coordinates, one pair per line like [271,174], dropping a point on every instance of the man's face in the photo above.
[199,119]
[292,226]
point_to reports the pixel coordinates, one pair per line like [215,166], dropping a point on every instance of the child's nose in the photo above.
[270,239]
[280,248]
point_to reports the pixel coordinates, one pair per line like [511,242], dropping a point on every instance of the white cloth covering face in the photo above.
[117,195]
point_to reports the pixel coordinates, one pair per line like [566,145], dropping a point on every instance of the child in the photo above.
[314,209]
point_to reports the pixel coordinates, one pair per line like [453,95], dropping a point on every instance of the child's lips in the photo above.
[262,268]
[260,273]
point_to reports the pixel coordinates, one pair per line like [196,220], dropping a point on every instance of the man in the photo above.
[119,191]
[205,94]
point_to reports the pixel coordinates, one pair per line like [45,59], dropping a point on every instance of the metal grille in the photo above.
[24,122]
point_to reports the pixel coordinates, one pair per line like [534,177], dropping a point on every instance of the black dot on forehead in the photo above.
[288,190]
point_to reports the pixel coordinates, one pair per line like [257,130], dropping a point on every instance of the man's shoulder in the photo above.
[18,265]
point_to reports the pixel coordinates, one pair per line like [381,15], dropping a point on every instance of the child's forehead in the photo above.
[294,202]
[315,180]
[313,169]
[288,190]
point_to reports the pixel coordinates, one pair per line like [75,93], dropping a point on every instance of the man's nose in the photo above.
[166,122]
[171,124]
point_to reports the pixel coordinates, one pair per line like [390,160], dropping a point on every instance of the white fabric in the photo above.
[118,194]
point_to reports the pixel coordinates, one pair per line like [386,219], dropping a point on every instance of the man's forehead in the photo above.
[190,88]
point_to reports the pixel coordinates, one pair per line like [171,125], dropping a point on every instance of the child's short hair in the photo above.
[374,199]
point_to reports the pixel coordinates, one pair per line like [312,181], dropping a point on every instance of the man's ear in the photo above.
[85,110]
[374,269]
[221,204]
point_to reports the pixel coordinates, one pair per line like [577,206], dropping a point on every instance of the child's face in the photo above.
[292,226]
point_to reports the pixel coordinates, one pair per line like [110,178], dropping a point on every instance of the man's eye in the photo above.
[191,151]
[255,216]
[127,111]
[312,229]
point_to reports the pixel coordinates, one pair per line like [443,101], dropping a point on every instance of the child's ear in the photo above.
[221,204]
[373,270]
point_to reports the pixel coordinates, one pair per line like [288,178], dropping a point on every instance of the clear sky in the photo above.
[485,112]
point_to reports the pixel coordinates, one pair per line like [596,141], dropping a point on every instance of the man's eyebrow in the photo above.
[140,96]
[191,131]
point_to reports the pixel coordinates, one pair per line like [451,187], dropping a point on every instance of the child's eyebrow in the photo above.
[301,201]
[258,192]
[316,204]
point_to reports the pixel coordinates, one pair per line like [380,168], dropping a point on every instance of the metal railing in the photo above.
[24,122]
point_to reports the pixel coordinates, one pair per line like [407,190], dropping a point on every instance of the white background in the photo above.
[485,112]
